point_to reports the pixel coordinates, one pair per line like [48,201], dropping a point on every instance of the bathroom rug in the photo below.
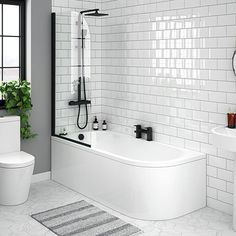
[84,219]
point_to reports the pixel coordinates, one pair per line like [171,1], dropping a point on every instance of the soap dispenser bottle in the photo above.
[104,125]
[95,124]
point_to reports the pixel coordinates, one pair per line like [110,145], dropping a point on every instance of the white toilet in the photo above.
[16,167]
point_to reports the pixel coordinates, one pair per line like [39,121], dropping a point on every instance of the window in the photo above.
[12,40]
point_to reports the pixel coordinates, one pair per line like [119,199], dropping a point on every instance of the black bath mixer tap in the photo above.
[139,130]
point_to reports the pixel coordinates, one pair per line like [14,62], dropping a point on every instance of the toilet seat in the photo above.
[16,160]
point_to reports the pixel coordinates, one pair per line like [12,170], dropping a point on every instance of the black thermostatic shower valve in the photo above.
[81,102]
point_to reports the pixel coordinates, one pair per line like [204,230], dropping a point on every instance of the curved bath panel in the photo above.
[143,180]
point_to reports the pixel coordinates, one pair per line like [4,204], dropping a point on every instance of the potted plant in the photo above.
[18,102]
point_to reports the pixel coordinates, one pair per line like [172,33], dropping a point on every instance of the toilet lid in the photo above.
[16,160]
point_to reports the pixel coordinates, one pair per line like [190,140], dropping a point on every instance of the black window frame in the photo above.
[22,41]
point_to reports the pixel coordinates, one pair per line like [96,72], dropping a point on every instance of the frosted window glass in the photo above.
[11,20]
[10,52]
[10,74]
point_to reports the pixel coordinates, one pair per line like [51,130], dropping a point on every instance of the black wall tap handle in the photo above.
[138,126]
[149,133]
[138,131]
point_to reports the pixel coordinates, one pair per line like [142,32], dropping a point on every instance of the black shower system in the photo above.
[81,81]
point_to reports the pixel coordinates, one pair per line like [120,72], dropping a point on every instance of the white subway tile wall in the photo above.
[165,64]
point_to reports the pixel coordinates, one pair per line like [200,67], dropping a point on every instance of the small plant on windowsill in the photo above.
[18,102]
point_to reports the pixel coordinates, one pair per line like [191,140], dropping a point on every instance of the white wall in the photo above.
[167,64]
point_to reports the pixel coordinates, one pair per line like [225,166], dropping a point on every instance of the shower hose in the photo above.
[79,104]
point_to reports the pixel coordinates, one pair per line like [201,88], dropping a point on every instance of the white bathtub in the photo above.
[143,180]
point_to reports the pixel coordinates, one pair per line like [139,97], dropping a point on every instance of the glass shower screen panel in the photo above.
[72,84]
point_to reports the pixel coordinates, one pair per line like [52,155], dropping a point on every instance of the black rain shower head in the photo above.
[93,12]
[96,14]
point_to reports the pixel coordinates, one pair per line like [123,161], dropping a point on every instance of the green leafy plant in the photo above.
[18,102]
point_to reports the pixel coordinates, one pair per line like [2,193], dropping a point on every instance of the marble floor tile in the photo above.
[16,220]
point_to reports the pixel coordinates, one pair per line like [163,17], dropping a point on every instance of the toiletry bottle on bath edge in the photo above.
[95,124]
[104,125]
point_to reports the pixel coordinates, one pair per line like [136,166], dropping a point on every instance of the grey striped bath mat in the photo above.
[84,219]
